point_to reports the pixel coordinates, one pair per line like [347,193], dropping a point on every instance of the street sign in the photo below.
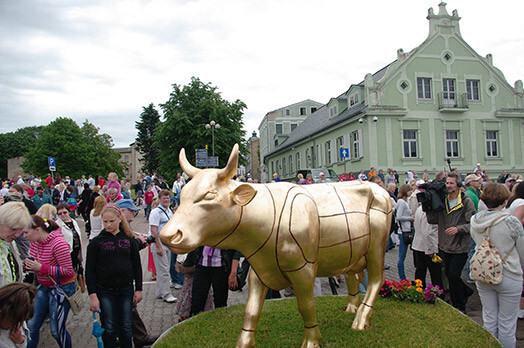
[344,152]
[201,157]
[51,161]
[212,161]
[52,168]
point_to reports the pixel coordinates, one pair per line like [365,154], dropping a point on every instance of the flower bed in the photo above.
[412,291]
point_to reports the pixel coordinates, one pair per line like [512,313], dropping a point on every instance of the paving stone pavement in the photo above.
[159,316]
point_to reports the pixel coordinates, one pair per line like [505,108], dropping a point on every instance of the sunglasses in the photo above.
[63,213]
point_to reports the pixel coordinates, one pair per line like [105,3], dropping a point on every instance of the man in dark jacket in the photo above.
[213,267]
[453,238]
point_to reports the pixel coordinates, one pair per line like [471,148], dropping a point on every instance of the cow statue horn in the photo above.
[186,166]
[232,164]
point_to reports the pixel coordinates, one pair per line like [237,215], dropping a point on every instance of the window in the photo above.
[448,87]
[126,158]
[283,166]
[424,88]
[288,112]
[297,160]
[353,99]
[308,159]
[333,111]
[276,142]
[302,111]
[293,126]
[327,151]
[452,145]
[278,128]
[404,85]
[491,144]
[291,163]
[356,148]
[319,156]
[313,110]
[410,143]
[472,89]
[340,144]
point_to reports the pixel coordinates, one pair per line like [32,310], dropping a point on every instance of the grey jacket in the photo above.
[460,242]
[505,233]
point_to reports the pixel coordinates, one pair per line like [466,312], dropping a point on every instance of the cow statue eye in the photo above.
[210,195]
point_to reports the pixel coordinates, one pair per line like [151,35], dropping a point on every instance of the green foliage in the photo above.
[394,324]
[186,113]
[149,120]
[77,151]
[15,144]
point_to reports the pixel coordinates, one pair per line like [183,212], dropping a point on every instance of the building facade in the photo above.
[131,157]
[278,124]
[441,101]
[253,145]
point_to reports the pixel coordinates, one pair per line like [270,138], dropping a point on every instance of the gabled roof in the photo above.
[317,122]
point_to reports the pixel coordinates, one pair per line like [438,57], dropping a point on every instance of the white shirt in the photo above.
[96,224]
[159,217]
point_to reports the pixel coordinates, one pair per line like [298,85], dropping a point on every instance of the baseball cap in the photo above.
[420,182]
[127,203]
[510,179]
[322,174]
[472,177]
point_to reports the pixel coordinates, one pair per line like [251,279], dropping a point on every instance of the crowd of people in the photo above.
[41,249]
[42,263]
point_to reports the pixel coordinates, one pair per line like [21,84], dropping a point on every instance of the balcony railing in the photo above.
[452,101]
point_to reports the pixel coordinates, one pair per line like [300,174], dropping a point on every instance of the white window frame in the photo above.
[297,161]
[281,128]
[452,144]
[471,89]
[291,171]
[333,111]
[356,142]
[319,156]
[492,146]
[449,89]
[302,109]
[283,161]
[410,142]
[339,145]
[425,84]
[353,99]
[327,152]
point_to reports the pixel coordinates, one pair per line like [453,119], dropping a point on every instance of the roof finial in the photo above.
[442,9]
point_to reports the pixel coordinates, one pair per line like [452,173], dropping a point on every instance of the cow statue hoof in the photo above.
[311,336]
[362,318]
[351,308]
[246,340]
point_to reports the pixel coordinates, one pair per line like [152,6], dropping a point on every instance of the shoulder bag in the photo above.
[486,265]
[76,301]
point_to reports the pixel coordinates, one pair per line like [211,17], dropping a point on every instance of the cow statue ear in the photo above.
[243,194]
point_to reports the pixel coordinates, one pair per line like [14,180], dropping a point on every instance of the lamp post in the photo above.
[213,125]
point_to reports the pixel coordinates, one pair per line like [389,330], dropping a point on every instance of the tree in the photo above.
[186,113]
[149,120]
[77,151]
[15,144]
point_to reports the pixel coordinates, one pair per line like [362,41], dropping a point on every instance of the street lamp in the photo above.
[213,125]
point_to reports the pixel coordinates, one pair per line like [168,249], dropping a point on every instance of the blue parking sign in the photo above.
[344,152]
[51,161]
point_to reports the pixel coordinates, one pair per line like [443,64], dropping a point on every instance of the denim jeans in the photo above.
[116,306]
[45,303]
[176,278]
[402,250]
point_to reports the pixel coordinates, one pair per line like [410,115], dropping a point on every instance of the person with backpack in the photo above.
[500,302]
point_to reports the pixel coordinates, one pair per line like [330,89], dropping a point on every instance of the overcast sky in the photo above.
[104,60]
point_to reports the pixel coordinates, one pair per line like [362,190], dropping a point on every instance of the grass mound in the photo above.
[394,324]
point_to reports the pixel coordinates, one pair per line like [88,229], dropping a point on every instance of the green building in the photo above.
[440,101]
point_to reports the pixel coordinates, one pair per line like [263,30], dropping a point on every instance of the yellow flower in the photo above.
[418,283]
[419,289]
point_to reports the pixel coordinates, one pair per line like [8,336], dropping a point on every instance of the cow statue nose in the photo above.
[176,238]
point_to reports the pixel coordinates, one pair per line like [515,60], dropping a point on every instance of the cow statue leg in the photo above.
[353,295]
[255,301]
[303,281]
[375,268]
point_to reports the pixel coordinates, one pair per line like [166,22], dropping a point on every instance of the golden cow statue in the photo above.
[289,233]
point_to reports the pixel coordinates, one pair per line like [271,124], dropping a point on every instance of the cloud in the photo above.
[106,60]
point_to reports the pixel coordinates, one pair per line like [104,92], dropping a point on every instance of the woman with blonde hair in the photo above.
[47,211]
[96,218]
[113,183]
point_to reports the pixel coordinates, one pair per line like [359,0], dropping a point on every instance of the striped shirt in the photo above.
[211,257]
[50,252]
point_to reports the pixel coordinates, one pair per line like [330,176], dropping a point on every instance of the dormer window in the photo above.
[333,111]
[353,99]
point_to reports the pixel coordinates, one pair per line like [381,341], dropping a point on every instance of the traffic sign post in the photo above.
[344,153]
[201,157]
[52,166]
